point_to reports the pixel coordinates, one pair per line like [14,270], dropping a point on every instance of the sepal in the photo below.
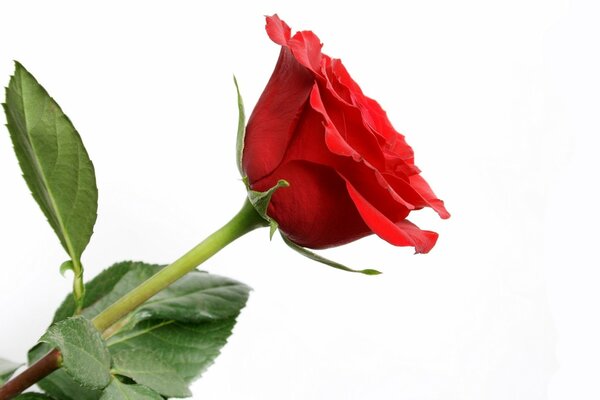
[323,260]
[241,128]
[260,201]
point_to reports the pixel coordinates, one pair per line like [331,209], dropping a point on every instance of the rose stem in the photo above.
[246,220]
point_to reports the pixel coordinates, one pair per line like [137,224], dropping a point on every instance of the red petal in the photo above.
[273,120]
[346,134]
[401,233]
[317,140]
[372,113]
[306,47]
[315,211]
[335,142]
[375,189]
[424,190]
[278,30]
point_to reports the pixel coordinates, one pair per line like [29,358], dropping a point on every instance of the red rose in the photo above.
[350,172]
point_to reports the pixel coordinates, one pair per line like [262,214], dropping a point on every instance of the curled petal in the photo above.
[372,113]
[335,142]
[392,191]
[306,47]
[400,233]
[344,124]
[424,190]
[278,30]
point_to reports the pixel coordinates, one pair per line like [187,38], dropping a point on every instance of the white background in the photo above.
[498,98]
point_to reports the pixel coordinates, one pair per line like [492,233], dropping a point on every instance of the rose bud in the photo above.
[350,172]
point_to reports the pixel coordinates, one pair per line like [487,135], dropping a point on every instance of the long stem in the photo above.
[246,220]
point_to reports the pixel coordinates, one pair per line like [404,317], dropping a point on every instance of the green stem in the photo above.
[78,286]
[246,220]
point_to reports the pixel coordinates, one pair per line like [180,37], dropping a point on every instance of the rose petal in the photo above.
[306,47]
[424,190]
[335,142]
[315,211]
[273,121]
[373,114]
[344,126]
[411,194]
[340,91]
[343,79]
[278,30]
[396,195]
[400,233]
[354,172]
[375,189]
[317,140]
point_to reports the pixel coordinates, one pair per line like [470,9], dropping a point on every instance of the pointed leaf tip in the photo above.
[282,183]
[53,159]
[273,226]
[370,272]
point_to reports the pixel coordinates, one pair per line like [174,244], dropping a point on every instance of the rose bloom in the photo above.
[350,172]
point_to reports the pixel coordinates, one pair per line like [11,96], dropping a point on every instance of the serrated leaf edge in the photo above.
[46,338]
[63,236]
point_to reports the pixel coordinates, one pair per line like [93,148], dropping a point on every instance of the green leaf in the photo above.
[188,348]
[146,368]
[7,369]
[59,384]
[241,128]
[323,260]
[184,327]
[54,161]
[120,391]
[100,291]
[137,273]
[33,396]
[198,297]
[84,354]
